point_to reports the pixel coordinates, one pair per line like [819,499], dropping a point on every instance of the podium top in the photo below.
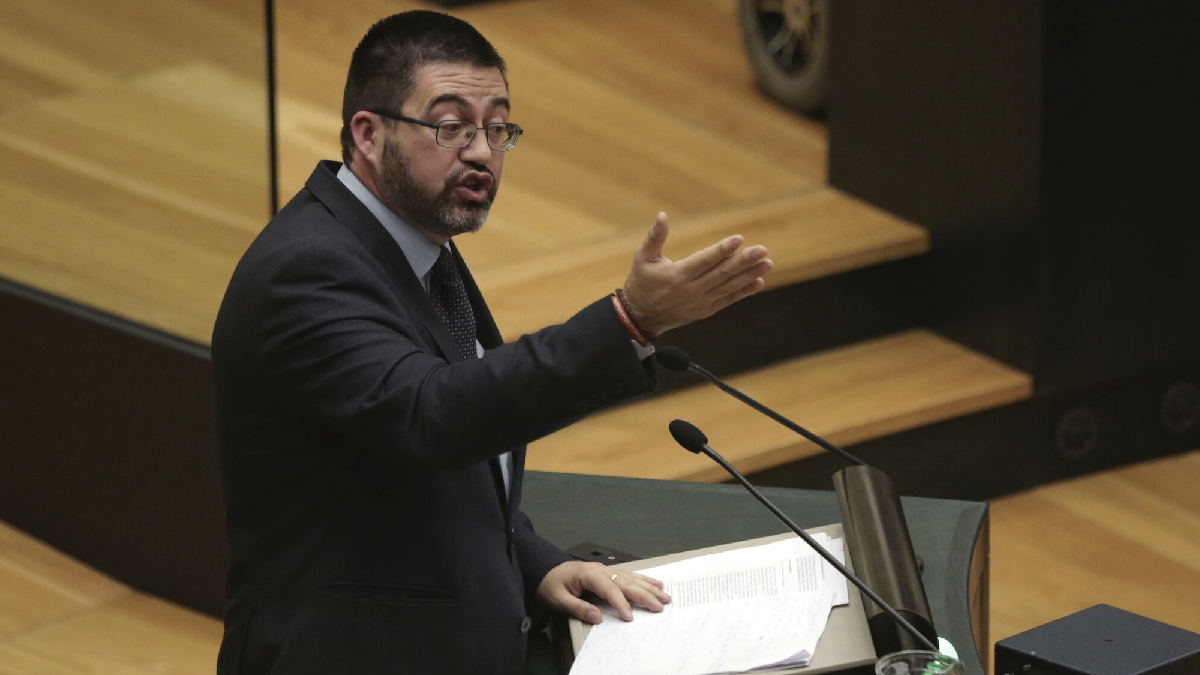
[651,518]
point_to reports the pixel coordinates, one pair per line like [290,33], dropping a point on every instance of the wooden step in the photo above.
[846,395]
[39,585]
[60,616]
[809,235]
[1128,537]
[132,635]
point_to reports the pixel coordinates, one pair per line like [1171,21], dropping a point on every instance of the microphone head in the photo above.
[673,358]
[687,435]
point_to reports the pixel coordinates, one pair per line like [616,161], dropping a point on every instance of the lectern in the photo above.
[652,518]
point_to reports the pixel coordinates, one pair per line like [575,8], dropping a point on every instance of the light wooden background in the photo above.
[132,175]
[133,154]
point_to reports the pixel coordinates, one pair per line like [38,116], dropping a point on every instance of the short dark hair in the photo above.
[383,69]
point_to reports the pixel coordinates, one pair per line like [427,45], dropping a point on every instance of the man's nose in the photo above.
[477,149]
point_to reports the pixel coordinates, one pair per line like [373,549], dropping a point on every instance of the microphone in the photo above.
[674,358]
[872,519]
[693,440]
[689,436]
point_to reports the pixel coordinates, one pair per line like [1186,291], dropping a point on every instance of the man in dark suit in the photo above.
[372,422]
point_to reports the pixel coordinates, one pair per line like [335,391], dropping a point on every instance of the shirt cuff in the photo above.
[643,353]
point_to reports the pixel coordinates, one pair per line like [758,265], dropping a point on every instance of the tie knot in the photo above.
[444,270]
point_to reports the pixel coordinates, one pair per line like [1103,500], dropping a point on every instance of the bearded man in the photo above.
[373,422]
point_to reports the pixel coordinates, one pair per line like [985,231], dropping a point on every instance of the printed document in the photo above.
[735,611]
[779,568]
[730,637]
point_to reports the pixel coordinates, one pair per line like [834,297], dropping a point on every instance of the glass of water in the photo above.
[918,662]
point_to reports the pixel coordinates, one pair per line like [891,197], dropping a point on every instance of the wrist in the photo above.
[636,331]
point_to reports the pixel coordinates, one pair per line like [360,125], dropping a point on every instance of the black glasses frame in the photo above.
[514,130]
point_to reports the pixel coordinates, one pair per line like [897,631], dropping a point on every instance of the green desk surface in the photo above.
[649,518]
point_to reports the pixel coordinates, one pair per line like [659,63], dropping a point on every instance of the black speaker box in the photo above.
[1101,640]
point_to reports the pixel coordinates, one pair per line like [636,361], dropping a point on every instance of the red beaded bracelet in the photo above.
[618,300]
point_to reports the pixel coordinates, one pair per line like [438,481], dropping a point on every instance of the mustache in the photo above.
[455,177]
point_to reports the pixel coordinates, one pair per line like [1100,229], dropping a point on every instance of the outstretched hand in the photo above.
[563,587]
[663,294]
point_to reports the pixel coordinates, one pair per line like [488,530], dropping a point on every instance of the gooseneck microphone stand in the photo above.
[873,523]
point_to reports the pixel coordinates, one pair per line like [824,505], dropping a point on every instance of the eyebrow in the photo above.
[458,99]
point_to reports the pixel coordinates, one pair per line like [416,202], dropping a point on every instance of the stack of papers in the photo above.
[736,611]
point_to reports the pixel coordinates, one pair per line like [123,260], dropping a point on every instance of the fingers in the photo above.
[704,260]
[607,588]
[738,276]
[576,607]
[650,580]
[662,295]
[743,292]
[656,238]
[644,591]
[726,271]
[561,590]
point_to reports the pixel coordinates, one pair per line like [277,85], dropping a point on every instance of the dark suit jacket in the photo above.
[366,514]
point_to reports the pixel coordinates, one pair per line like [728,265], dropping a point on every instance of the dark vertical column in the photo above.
[272,104]
[935,115]
[1121,188]
[1052,147]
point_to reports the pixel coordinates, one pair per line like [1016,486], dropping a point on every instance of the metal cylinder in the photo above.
[883,556]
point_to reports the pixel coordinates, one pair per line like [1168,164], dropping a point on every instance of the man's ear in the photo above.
[365,127]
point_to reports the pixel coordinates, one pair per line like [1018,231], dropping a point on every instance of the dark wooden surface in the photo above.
[109,441]
[650,518]
[1049,148]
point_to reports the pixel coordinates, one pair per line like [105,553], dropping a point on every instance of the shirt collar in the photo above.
[420,252]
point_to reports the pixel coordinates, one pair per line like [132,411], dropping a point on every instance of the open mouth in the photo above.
[474,186]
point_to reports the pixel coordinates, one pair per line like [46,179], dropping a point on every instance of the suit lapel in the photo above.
[347,209]
[489,336]
[325,185]
[485,326]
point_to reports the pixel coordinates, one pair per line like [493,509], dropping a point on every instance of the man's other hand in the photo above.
[663,294]
[562,590]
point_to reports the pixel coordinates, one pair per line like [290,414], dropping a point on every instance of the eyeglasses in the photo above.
[457,134]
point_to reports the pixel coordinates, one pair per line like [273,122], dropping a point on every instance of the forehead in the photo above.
[481,87]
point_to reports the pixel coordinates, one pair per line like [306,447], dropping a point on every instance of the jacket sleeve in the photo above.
[535,556]
[337,343]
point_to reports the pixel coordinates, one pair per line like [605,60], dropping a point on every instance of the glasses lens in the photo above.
[503,137]
[454,134]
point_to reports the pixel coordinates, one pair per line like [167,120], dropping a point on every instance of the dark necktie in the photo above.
[449,297]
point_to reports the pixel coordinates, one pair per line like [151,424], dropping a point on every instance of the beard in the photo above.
[443,212]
